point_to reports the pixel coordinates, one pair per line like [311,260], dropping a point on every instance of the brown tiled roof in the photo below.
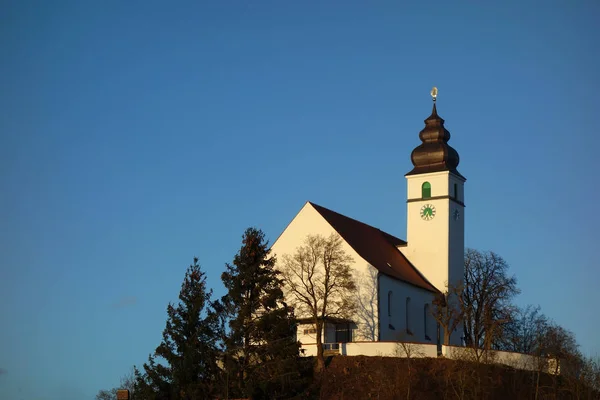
[378,248]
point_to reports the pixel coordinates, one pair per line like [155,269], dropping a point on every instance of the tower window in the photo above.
[426,190]
[455,191]
[390,303]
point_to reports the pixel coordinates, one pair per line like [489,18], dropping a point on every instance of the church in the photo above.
[396,279]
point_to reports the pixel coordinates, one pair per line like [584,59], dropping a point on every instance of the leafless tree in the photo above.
[408,350]
[319,284]
[557,353]
[127,382]
[559,343]
[486,300]
[523,334]
[447,310]
[590,375]
[367,303]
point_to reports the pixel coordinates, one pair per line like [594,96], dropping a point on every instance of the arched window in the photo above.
[425,320]
[426,190]
[408,316]
[390,303]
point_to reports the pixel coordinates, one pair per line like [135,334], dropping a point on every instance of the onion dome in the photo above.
[434,154]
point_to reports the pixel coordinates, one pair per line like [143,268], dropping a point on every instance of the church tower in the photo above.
[435,205]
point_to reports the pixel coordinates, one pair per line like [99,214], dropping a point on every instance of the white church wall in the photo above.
[309,222]
[440,184]
[306,333]
[456,243]
[367,313]
[393,327]
[429,242]
[378,349]
[436,246]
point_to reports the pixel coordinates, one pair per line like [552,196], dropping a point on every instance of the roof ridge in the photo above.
[355,220]
[361,237]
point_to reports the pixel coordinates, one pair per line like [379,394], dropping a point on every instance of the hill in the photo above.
[382,378]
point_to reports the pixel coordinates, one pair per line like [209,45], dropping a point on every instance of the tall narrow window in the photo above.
[426,190]
[425,318]
[408,316]
[455,191]
[390,303]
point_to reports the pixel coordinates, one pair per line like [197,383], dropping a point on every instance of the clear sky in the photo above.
[135,135]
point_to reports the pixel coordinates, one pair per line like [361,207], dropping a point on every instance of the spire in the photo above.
[434,153]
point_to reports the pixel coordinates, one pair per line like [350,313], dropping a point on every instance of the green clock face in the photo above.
[427,212]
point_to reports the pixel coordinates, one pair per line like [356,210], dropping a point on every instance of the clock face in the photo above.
[456,215]
[427,212]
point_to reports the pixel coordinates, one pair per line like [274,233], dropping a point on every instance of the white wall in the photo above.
[327,336]
[436,246]
[306,338]
[420,350]
[379,349]
[388,349]
[515,360]
[418,299]
[308,350]
[309,222]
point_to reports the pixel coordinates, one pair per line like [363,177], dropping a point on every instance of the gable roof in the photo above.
[377,247]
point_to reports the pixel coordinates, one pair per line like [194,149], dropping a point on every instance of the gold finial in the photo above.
[434,93]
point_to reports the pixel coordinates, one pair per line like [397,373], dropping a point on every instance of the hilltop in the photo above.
[382,378]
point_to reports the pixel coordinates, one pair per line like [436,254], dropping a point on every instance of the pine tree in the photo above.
[262,355]
[184,365]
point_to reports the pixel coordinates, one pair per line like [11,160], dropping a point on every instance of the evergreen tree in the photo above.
[262,355]
[184,365]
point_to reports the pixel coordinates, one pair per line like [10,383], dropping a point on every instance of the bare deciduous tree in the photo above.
[319,283]
[523,333]
[486,300]
[127,382]
[559,343]
[447,310]
[590,375]
[408,350]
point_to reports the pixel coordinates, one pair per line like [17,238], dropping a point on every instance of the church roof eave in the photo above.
[378,248]
[433,168]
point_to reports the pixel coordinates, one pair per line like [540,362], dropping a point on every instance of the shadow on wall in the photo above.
[367,304]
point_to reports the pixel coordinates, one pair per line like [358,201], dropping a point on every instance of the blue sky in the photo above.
[137,135]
